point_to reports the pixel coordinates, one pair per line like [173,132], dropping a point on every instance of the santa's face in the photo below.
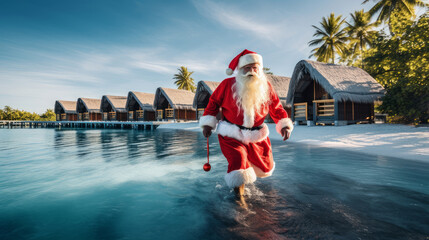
[251,69]
[251,90]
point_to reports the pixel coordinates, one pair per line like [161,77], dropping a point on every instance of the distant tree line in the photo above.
[398,59]
[8,113]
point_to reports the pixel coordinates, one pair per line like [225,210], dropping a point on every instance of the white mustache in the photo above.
[249,74]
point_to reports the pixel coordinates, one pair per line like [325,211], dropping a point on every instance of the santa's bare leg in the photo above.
[239,193]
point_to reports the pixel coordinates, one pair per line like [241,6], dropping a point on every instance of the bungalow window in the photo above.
[105,116]
[131,115]
[85,116]
[139,114]
[63,116]
[112,115]
[159,114]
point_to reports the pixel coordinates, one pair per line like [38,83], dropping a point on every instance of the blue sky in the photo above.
[64,50]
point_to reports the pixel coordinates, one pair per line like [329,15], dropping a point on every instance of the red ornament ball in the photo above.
[207,167]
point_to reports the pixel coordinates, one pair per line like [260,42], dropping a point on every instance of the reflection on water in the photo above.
[124,184]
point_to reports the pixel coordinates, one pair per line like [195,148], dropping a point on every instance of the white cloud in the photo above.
[250,22]
[155,67]
[99,62]
[91,72]
[162,60]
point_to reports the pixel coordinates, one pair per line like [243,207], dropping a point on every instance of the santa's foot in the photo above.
[242,203]
[239,194]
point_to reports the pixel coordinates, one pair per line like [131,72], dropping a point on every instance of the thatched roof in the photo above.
[117,103]
[90,105]
[341,82]
[178,99]
[281,86]
[145,100]
[204,88]
[62,106]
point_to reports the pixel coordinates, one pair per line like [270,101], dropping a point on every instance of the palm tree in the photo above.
[360,32]
[332,37]
[388,7]
[184,80]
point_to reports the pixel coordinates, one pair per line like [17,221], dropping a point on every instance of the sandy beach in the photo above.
[392,140]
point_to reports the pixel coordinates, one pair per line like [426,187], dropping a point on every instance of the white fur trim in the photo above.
[229,71]
[249,119]
[249,58]
[208,120]
[239,177]
[245,136]
[284,122]
[261,174]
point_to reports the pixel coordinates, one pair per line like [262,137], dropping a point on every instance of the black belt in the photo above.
[244,128]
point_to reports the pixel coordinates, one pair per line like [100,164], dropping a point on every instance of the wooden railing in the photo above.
[169,112]
[324,108]
[300,111]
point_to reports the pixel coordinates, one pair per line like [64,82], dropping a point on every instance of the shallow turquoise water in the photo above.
[124,184]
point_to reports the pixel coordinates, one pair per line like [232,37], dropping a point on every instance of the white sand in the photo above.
[391,140]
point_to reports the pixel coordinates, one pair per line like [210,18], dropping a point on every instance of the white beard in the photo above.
[250,94]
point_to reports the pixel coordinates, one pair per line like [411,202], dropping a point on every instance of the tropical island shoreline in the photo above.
[391,140]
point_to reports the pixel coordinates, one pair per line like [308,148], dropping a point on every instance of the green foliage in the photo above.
[184,80]
[332,37]
[400,64]
[49,115]
[9,113]
[361,36]
[388,8]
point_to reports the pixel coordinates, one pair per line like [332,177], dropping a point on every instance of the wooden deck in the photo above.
[138,125]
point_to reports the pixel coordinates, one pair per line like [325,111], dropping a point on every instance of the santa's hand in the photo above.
[207,131]
[285,133]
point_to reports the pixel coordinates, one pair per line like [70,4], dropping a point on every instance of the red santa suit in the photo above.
[248,150]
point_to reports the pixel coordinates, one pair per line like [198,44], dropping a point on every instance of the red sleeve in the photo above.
[216,100]
[212,109]
[277,112]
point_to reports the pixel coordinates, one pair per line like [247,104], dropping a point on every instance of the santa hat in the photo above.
[242,59]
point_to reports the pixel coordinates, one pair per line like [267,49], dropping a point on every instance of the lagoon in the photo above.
[125,184]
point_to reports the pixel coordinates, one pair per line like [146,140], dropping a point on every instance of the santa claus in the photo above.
[245,100]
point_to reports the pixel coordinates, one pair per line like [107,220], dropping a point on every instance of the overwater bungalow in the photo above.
[113,108]
[140,106]
[204,90]
[330,93]
[65,110]
[174,104]
[88,109]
